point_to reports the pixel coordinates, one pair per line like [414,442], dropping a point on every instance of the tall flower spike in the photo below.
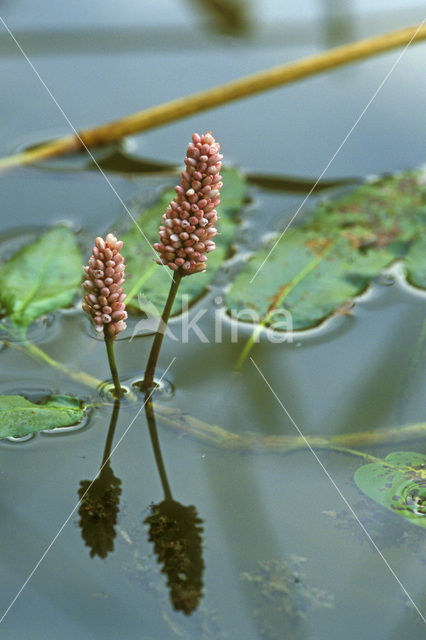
[104,299]
[186,235]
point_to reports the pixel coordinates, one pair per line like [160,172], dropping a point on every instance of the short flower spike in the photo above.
[104,299]
[186,235]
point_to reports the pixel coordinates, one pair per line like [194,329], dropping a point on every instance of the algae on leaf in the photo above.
[41,277]
[318,266]
[144,276]
[398,483]
[19,416]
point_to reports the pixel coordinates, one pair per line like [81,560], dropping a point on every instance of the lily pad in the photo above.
[41,277]
[320,265]
[144,276]
[19,416]
[398,483]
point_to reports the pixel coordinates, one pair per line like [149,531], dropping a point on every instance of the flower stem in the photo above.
[109,343]
[158,340]
[223,94]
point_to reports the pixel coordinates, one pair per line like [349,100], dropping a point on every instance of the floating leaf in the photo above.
[144,276]
[416,263]
[320,265]
[19,416]
[398,483]
[41,277]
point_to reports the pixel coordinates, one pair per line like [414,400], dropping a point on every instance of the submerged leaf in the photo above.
[320,265]
[144,276]
[398,483]
[19,416]
[41,277]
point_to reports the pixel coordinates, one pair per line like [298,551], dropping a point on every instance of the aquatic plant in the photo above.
[186,236]
[104,300]
[188,229]
[105,296]
[38,279]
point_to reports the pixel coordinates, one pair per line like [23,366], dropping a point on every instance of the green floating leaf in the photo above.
[320,265]
[41,277]
[398,483]
[144,276]
[19,416]
[416,263]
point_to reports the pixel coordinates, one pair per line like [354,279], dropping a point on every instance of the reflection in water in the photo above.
[176,532]
[230,17]
[295,184]
[338,22]
[100,501]
[119,160]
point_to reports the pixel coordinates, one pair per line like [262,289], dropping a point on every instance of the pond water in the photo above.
[283,555]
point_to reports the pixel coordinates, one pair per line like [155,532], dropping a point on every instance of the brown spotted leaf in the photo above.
[398,483]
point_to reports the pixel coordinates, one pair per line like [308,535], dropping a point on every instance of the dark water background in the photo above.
[104,60]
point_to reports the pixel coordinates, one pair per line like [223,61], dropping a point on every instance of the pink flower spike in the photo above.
[101,295]
[194,194]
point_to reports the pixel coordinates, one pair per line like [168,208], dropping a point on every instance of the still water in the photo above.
[282,556]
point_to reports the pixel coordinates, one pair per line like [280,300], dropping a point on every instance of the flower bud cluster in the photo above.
[104,299]
[188,230]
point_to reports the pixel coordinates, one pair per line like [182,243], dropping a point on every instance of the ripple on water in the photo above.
[20,440]
[163,387]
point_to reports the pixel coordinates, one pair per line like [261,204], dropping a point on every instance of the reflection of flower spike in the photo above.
[98,511]
[100,500]
[176,531]
[188,230]
[104,299]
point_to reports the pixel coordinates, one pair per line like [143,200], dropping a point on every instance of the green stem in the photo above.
[162,326]
[150,417]
[109,343]
[38,354]
[281,444]
[7,329]
[79,376]
[19,333]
